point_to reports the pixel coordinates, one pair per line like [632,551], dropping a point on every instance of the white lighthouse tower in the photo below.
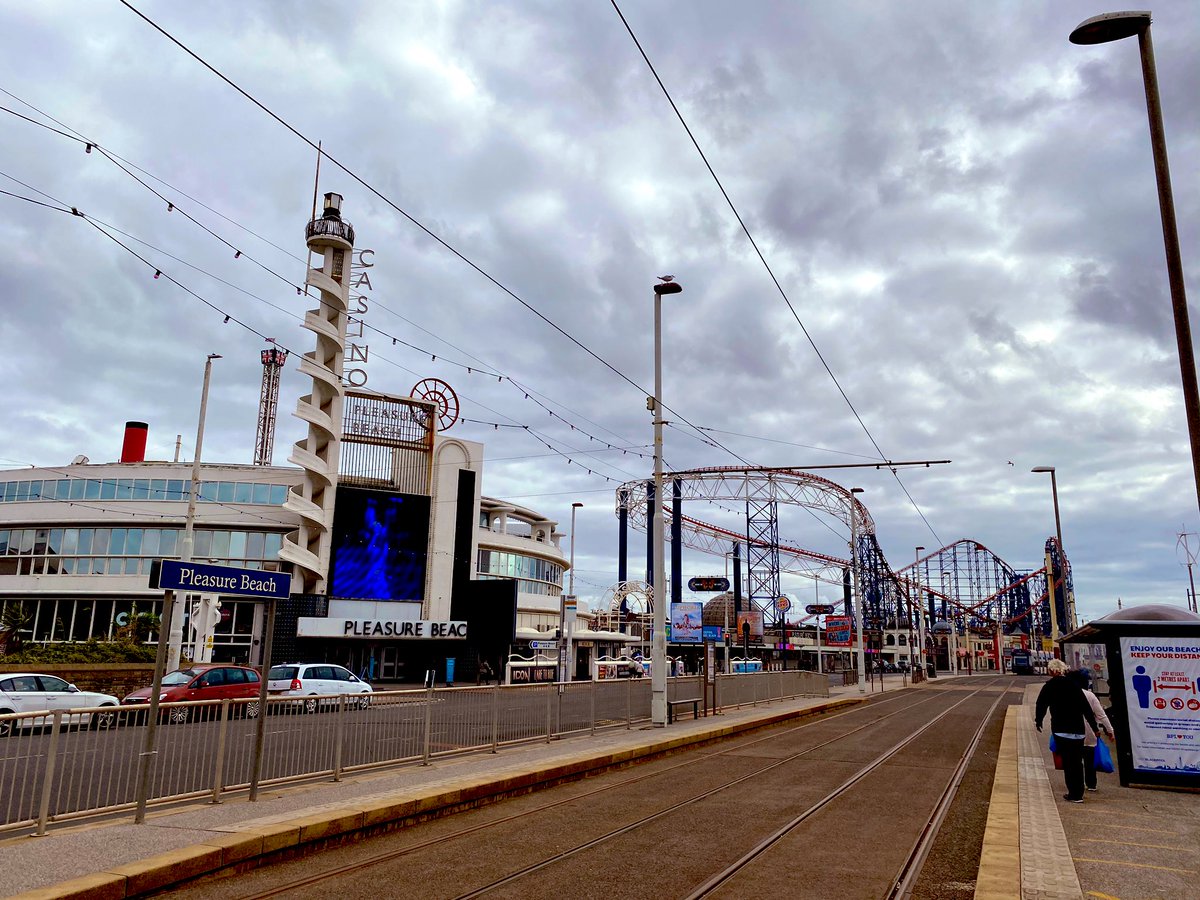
[308,549]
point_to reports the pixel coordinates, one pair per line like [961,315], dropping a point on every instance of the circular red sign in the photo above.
[1160,703]
[1176,703]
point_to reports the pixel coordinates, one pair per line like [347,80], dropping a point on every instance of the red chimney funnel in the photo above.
[134,447]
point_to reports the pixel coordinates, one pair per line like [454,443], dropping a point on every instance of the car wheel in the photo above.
[310,705]
[8,725]
[177,715]
[252,710]
[364,701]
[106,718]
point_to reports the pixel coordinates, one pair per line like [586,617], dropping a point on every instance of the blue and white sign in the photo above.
[1162,690]
[201,578]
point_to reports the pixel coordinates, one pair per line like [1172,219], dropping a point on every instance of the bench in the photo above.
[694,704]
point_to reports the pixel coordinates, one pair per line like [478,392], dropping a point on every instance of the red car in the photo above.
[207,682]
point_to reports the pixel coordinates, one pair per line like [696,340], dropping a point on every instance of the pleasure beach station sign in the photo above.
[381,629]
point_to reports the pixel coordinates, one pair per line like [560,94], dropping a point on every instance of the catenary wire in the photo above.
[767,266]
[450,248]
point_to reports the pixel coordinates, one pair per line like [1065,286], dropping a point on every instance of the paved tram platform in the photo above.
[1120,843]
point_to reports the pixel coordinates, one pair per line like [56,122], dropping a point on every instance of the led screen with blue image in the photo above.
[380,542]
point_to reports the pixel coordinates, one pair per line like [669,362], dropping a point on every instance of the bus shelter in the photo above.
[1151,662]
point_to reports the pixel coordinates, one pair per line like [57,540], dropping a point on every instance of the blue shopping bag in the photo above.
[1052,747]
[1104,760]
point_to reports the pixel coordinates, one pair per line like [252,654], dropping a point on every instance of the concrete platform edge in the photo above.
[249,843]
[999,876]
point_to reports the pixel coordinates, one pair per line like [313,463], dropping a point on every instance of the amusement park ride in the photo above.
[963,582]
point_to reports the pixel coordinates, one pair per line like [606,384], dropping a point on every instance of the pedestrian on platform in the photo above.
[485,672]
[1083,678]
[1070,715]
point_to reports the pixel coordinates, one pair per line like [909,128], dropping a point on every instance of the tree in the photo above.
[14,621]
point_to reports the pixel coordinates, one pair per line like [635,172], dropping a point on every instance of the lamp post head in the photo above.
[856,490]
[668,286]
[1111,27]
[1042,469]
[214,356]
[576,505]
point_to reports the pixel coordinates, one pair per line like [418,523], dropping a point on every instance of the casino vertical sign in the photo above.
[358,351]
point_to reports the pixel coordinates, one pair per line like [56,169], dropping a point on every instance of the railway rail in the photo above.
[820,761]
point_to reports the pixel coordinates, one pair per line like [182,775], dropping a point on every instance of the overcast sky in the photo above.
[959,203]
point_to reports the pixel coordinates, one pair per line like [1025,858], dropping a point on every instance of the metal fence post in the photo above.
[549,713]
[628,703]
[219,762]
[339,734]
[495,715]
[48,783]
[428,724]
[592,694]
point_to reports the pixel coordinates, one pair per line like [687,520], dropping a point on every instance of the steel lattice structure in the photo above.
[964,580]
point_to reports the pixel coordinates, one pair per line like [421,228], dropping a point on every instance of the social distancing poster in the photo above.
[1162,690]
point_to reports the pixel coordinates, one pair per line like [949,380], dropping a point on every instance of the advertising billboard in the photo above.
[686,625]
[839,631]
[1162,684]
[380,543]
[755,618]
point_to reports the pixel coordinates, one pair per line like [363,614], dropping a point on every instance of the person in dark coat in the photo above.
[1069,716]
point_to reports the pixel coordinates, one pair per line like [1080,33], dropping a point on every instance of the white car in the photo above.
[312,679]
[29,692]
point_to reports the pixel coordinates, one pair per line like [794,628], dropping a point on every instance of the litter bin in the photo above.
[931,670]
[449,670]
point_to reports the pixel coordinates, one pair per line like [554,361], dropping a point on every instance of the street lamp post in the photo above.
[1058,534]
[858,612]
[658,650]
[1115,26]
[175,614]
[564,638]
[172,618]
[917,657]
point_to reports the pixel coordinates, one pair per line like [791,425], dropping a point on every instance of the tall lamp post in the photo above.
[658,650]
[1058,534]
[858,612]
[175,614]
[563,635]
[1116,26]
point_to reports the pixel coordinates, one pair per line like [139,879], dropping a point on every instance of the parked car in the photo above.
[27,692]
[208,682]
[311,679]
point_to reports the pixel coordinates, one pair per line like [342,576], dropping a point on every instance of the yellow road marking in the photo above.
[1101,896]
[1117,862]
[1132,844]
[1136,828]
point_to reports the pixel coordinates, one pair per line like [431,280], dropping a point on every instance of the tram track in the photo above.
[903,882]
[306,883]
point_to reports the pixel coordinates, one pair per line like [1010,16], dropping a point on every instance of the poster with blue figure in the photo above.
[1163,690]
[380,544]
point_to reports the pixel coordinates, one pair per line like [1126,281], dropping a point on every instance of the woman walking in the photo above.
[1070,715]
[1083,679]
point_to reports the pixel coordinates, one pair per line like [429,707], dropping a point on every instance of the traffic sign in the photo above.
[819,609]
[708,583]
[543,645]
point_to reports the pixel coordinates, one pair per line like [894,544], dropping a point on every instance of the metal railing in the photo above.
[65,764]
